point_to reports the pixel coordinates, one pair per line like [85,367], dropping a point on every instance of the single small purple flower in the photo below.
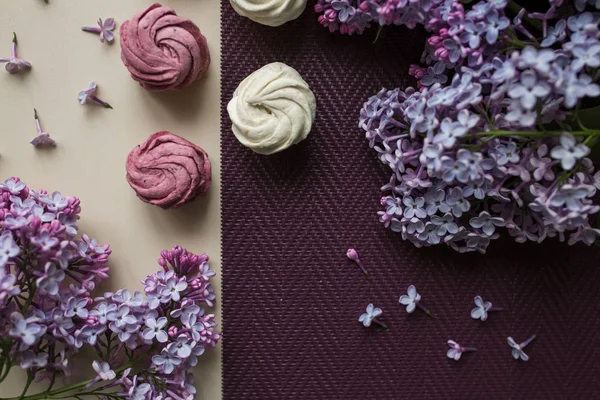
[90,94]
[182,347]
[507,153]
[50,279]
[344,9]
[42,138]
[412,300]
[15,64]
[517,349]
[370,316]
[456,350]
[155,330]
[569,151]
[166,361]
[26,331]
[482,308]
[529,89]
[172,289]
[31,360]
[486,222]
[555,34]
[353,255]
[444,224]
[8,248]
[494,24]
[435,74]
[103,370]
[414,207]
[105,29]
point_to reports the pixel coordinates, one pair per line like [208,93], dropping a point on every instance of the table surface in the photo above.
[93,143]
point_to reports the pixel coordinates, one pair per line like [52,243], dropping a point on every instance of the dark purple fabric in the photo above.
[291,299]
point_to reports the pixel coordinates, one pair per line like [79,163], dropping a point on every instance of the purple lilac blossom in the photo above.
[48,313]
[495,148]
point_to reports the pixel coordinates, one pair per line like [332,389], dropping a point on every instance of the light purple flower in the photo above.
[15,64]
[486,223]
[155,330]
[42,138]
[435,74]
[411,299]
[586,56]
[8,248]
[444,224]
[103,370]
[76,307]
[414,207]
[105,29]
[570,196]
[370,316]
[181,346]
[517,349]
[555,33]
[435,201]
[494,24]
[344,9]
[50,279]
[25,331]
[457,202]
[31,360]
[569,151]
[90,94]
[166,361]
[506,153]
[456,350]
[529,89]
[172,289]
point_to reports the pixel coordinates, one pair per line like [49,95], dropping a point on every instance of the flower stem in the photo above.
[514,8]
[14,46]
[102,103]
[90,29]
[422,307]
[525,343]
[378,322]
[30,377]
[589,132]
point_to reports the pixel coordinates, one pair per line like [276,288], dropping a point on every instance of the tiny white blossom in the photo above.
[517,349]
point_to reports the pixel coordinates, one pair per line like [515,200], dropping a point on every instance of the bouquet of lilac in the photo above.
[144,345]
[494,136]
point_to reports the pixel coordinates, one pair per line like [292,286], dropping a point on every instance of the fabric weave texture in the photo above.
[291,298]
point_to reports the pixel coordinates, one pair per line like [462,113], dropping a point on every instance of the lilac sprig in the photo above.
[495,141]
[145,343]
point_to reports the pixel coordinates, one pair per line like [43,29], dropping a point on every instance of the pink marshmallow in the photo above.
[168,171]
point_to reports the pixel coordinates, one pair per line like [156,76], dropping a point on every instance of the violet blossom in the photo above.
[104,28]
[42,138]
[49,312]
[499,147]
[15,64]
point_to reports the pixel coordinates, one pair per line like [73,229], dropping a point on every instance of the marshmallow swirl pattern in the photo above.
[269,12]
[272,109]
[168,171]
[163,51]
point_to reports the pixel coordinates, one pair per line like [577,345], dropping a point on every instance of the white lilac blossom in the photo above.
[90,94]
[482,308]
[15,64]
[456,350]
[412,300]
[43,138]
[353,255]
[493,142]
[517,348]
[145,348]
[370,316]
[104,28]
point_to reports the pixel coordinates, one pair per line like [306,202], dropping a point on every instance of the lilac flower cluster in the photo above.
[492,139]
[145,343]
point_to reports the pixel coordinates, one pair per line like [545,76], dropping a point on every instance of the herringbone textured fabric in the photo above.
[291,299]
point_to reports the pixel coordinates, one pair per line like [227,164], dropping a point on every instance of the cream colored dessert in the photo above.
[272,109]
[269,12]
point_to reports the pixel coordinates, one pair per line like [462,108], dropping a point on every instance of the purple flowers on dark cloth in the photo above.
[145,343]
[492,140]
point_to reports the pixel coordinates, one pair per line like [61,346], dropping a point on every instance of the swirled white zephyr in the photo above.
[269,12]
[272,109]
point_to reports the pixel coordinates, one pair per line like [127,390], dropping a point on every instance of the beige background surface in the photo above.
[93,143]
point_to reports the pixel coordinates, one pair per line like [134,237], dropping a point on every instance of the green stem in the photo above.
[587,133]
[30,377]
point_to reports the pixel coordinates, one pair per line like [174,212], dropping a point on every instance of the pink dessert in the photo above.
[163,51]
[168,171]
